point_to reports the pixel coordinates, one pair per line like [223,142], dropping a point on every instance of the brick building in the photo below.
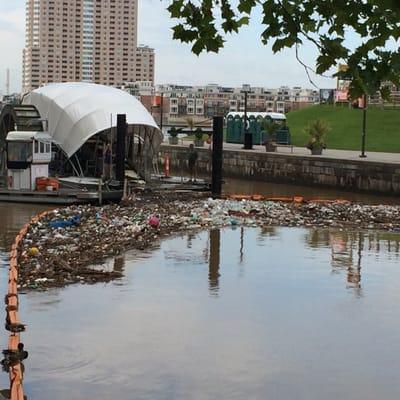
[80,40]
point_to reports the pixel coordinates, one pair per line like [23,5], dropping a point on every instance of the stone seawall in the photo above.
[374,177]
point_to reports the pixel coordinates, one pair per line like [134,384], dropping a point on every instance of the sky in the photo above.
[243,60]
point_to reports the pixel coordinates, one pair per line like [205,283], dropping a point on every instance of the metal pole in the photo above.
[248,143]
[364,128]
[245,120]
[162,111]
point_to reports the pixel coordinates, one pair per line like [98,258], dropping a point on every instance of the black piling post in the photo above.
[216,183]
[120,150]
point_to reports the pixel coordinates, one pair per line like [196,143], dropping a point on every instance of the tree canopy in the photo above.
[290,23]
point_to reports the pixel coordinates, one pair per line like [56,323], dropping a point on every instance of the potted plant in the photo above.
[190,123]
[269,135]
[173,136]
[198,138]
[317,130]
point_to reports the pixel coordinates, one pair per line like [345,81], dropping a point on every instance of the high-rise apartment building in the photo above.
[145,60]
[80,40]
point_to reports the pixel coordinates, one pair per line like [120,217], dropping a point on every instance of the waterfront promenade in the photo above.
[350,155]
[340,169]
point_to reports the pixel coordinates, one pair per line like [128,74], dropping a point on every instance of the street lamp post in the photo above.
[364,128]
[248,139]
[151,101]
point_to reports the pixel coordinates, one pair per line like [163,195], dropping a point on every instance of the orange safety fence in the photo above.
[13,322]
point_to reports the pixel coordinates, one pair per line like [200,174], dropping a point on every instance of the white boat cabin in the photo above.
[28,158]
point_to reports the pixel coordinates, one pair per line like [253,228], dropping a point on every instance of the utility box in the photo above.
[28,157]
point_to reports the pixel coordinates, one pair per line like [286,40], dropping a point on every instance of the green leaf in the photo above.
[175,8]
[184,35]
[324,63]
[243,21]
[245,6]
[198,47]
[279,44]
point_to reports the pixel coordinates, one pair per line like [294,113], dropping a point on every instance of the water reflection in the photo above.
[346,251]
[214,261]
[347,240]
[343,257]
[349,246]
[189,240]
[266,232]
[241,251]
[119,264]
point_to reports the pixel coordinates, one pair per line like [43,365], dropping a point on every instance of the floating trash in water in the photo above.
[154,221]
[33,252]
[72,239]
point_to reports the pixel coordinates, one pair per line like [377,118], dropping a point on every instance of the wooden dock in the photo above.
[62,196]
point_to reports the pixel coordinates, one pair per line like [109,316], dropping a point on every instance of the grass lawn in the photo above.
[383,127]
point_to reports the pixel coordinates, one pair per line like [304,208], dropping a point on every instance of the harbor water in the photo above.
[277,313]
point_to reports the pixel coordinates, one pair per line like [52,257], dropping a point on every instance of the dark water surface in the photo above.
[235,186]
[13,216]
[279,313]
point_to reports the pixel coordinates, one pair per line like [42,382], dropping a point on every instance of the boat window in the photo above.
[36,146]
[48,148]
[19,151]
[41,147]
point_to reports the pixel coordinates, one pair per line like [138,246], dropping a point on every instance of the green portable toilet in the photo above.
[230,128]
[239,130]
[253,128]
[259,139]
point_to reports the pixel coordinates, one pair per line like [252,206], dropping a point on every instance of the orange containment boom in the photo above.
[13,323]
[294,199]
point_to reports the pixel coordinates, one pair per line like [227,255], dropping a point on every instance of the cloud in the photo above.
[11,46]
[14,20]
[243,60]
[12,27]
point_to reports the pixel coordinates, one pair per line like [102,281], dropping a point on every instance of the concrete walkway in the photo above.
[390,158]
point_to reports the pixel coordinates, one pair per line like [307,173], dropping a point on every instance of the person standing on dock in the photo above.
[107,160]
[192,160]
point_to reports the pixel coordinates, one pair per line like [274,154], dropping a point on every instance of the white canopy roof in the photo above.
[76,111]
[272,115]
[28,136]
